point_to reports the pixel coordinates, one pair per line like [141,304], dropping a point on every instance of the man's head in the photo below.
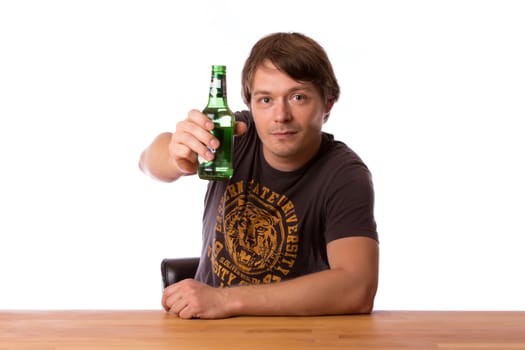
[296,55]
[290,88]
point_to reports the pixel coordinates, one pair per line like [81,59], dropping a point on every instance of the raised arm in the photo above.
[172,155]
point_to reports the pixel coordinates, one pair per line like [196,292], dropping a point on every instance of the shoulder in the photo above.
[338,159]
[343,175]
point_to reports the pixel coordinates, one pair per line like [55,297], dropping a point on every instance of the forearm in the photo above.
[156,162]
[329,292]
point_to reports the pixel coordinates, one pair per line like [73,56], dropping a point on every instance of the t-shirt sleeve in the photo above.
[350,205]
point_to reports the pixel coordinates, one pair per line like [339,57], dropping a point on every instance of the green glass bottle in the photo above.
[221,167]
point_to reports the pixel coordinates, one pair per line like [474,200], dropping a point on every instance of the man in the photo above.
[293,231]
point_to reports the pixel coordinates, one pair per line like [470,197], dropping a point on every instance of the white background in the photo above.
[433,99]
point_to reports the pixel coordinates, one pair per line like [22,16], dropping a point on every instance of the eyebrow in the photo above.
[292,89]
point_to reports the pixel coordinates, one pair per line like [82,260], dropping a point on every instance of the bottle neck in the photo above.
[217,97]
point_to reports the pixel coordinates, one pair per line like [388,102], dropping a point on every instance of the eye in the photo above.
[264,100]
[298,98]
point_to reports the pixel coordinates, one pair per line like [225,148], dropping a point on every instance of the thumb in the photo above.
[240,128]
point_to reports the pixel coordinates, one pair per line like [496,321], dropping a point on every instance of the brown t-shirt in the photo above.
[265,225]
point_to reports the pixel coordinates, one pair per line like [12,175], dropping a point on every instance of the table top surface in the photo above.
[155,329]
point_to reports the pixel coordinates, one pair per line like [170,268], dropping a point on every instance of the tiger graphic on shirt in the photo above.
[256,236]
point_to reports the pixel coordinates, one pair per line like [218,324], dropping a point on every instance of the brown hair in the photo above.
[297,55]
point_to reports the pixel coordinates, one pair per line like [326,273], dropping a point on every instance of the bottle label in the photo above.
[225,121]
[215,87]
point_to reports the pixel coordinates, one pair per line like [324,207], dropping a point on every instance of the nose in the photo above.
[282,111]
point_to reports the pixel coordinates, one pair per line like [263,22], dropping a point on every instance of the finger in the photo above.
[206,125]
[179,304]
[188,144]
[201,119]
[197,140]
[169,295]
[186,312]
[184,158]
[164,301]
[240,128]
[188,129]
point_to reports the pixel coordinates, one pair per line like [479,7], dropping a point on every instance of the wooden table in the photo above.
[154,329]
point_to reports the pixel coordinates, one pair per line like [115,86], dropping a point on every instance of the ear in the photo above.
[328,107]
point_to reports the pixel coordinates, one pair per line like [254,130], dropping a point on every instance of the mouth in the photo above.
[283,133]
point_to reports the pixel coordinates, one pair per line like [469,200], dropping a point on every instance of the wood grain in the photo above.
[152,329]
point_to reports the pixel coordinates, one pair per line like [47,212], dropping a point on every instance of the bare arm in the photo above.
[156,161]
[348,287]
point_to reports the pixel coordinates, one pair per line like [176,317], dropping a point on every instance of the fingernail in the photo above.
[214,143]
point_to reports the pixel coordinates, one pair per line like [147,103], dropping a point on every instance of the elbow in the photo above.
[365,307]
[141,162]
[368,295]
[361,302]
[155,161]
[150,170]
[360,306]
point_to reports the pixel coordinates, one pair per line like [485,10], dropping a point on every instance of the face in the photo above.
[288,116]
